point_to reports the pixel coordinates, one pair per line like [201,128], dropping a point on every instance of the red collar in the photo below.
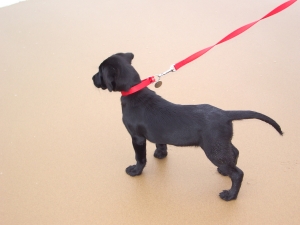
[144,83]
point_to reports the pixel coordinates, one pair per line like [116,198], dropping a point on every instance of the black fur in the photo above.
[147,116]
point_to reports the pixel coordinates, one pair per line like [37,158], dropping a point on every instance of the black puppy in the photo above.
[147,116]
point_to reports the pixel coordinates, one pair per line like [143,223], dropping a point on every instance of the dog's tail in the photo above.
[240,115]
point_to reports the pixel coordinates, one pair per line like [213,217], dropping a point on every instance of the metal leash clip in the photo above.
[158,83]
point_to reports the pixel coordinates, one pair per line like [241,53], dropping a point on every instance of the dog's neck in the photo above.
[144,83]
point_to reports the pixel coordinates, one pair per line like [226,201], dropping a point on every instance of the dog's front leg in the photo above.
[139,145]
[161,151]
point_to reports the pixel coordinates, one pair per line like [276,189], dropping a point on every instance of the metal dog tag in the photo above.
[158,84]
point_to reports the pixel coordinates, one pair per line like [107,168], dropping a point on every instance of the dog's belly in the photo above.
[174,139]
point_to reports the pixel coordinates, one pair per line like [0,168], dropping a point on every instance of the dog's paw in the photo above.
[227,195]
[160,154]
[134,170]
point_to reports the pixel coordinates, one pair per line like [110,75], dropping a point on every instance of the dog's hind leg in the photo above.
[224,157]
[235,155]
[161,151]
[236,175]
[139,145]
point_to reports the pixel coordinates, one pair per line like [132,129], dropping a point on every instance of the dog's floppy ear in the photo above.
[129,57]
[108,74]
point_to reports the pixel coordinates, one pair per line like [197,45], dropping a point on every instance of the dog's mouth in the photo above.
[98,81]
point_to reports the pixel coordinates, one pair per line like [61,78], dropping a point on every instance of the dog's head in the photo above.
[116,73]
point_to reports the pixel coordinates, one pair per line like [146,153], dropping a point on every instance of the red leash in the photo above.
[196,55]
[233,34]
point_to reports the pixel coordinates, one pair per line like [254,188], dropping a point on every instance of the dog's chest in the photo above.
[132,112]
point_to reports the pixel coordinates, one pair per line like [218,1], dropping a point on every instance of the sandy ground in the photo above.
[64,149]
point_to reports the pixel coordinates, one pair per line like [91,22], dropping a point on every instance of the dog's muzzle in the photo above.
[98,81]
